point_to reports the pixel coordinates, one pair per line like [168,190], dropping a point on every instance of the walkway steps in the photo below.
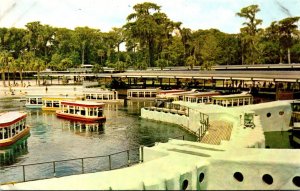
[218,130]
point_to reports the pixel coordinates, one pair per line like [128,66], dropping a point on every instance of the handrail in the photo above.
[129,162]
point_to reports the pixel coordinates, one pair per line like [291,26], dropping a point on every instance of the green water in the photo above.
[278,139]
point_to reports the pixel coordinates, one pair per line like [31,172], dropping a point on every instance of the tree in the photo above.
[20,65]
[287,27]
[249,33]
[149,31]
[191,61]
[38,65]
[162,63]
[210,52]
[144,27]
[5,60]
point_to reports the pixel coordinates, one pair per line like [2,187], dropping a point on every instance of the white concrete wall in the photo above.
[275,122]
[165,117]
[253,164]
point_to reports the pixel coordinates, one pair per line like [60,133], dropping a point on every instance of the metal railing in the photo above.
[132,156]
[204,125]
[169,110]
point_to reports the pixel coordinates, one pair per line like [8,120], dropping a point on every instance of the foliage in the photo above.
[151,39]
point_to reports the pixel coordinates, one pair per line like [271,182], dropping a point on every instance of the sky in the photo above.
[106,14]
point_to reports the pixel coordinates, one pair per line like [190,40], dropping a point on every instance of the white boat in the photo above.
[12,127]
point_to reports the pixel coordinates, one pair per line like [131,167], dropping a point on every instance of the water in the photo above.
[54,139]
[278,140]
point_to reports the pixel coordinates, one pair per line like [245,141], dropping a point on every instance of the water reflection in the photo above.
[83,129]
[10,155]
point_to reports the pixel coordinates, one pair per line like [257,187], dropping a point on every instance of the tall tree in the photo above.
[287,27]
[143,27]
[249,33]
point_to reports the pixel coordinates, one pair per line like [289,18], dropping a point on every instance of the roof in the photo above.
[83,104]
[12,117]
[231,96]
[201,94]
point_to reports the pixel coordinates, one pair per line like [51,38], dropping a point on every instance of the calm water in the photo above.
[58,139]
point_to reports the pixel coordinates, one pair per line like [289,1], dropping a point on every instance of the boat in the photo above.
[34,101]
[200,97]
[81,111]
[141,94]
[53,103]
[101,95]
[232,100]
[12,127]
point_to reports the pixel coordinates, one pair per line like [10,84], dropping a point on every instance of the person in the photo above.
[46,89]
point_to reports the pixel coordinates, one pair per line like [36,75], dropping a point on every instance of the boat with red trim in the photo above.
[12,127]
[81,111]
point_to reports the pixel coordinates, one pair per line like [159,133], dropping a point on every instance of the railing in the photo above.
[204,125]
[52,169]
[169,110]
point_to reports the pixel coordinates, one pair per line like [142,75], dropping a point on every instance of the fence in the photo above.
[204,125]
[59,168]
[169,110]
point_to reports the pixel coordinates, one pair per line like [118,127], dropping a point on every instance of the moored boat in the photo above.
[34,101]
[81,111]
[101,96]
[53,103]
[12,127]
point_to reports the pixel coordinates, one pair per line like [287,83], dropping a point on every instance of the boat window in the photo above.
[32,100]
[105,97]
[100,112]
[48,103]
[99,96]
[82,112]
[5,132]
[55,103]
[39,100]
[1,135]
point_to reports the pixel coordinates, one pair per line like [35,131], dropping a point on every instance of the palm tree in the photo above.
[38,65]
[20,65]
[5,59]
[10,67]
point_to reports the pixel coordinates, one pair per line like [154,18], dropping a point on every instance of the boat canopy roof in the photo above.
[10,118]
[201,94]
[83,104]
[232,96]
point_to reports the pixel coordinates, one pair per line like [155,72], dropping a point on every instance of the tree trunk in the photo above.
[14,77]
[3,78]
[151,52]
[289,56]
[38,78]
[21,78]
[82,56]
[8,78]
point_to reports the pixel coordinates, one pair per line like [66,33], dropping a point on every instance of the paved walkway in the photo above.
[33,88]
[218,130]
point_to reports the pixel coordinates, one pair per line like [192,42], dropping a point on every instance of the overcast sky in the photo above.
[105,14]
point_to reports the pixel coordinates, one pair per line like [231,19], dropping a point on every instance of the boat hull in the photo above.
[12,140]
[79,117]
[33,106]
